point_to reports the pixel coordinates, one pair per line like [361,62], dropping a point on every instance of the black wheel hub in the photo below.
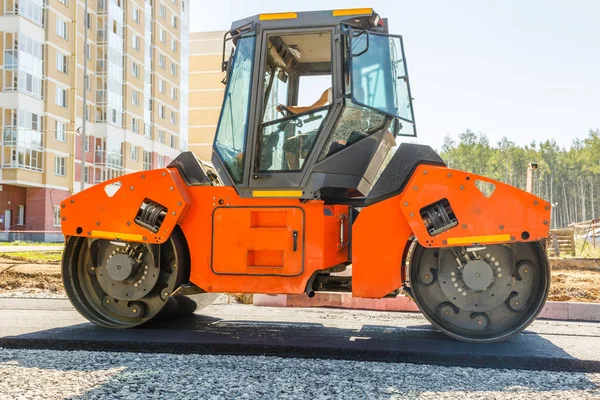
[120,267]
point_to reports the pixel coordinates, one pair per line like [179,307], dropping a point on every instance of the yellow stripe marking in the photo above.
[479,239]
[277,193]
[285,15]
[117,235]
[352,11]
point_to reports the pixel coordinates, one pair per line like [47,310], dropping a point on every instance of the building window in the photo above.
[136,42]
[62,29]
[134,153]
[61,97]
[88,21]
[161,161]
[87,143]
[147,160]
[161,60]
[173,141]
[88,53]
[56,216]
[174,21]
[135,70]
[161,136]
[21,215]
[135,98]
[173,69]
[173,93]
[59,166]
[22,140]
[161,111]
[60,132]
[134,125]
[86,175]
[87,83]
[163,36]
[162,11]
[173,45]
[161,86]
[136,15]
[62,63]
[173,117]
[65,2]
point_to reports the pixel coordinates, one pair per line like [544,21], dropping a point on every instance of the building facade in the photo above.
[136,91]
[205,90]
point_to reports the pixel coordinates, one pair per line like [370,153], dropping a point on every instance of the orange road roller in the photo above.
[305,182]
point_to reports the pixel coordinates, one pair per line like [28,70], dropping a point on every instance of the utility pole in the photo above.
[85,83]
[530,168]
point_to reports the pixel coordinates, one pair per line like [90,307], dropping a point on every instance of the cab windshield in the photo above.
[230,141]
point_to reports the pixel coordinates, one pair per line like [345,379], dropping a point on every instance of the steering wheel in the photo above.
[283,110]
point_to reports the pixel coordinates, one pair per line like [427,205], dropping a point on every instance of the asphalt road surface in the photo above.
[312,353]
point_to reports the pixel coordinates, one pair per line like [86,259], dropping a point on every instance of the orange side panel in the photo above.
[508,215]
[96,213]
[379,237]
[258,241]
[253,241]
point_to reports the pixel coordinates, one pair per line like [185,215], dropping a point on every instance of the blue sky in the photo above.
[527,70]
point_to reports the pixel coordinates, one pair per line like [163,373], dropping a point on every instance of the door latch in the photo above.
[295,236]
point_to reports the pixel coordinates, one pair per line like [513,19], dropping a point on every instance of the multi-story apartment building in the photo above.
[206,90]
[136,90]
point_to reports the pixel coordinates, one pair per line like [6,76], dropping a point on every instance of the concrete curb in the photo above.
[563,311]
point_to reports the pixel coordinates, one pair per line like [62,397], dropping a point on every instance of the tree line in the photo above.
[567,178]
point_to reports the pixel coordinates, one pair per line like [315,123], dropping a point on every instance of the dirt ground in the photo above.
[572,280]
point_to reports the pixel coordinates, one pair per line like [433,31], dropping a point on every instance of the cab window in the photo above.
[230,142]
[297,98]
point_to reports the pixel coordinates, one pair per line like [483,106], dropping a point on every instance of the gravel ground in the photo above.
[46,374]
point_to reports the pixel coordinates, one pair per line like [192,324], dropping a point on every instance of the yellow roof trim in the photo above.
[272,16]
[352,11]
[479,239]
[277,193]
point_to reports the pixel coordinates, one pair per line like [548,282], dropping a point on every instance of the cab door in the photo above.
[265,241]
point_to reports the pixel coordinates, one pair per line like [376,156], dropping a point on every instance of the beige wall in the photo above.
[206,90]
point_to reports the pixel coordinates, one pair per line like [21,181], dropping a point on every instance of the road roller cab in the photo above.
[306,182]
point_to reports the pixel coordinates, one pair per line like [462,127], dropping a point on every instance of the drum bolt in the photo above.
[496,263]
[174,213]
[464,293]
[171,188]
[462,188]
[516,303]
[107,301]
[425,172]
[480,322]
[499,269]
[446,313]
[493,259]
[406,204]
[525,270]
[426,276]
[166,293]
[164,174]
[452,273]
[145,267]
[178,203]
[134,310]
[487,255]
[449,175]
[453,279]
[416,188]
[145,272]
[93,268]
[143,277]
[478,275]
[499,275]
[412,214]
[459,290]
[131,187]
[456,285]
[135,284]
[535,202]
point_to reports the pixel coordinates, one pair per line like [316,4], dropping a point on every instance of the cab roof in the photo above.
[303,19]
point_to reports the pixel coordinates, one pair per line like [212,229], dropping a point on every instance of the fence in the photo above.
[561,242]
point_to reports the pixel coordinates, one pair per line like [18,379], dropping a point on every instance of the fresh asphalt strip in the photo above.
[303,333]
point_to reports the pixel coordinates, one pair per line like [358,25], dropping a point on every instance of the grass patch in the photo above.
[22,243]
[41,257]
[588,250]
